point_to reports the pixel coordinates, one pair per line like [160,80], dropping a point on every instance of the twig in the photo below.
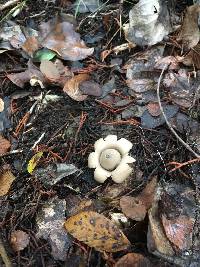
[180,165]
[166,120]
[8,4]
[4,255]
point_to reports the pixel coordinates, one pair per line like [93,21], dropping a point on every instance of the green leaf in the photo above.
[43,54]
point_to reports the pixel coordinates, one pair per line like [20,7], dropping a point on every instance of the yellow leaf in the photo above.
[97,231]
[33,162]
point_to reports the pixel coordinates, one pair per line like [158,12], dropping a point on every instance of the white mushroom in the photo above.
[111,159]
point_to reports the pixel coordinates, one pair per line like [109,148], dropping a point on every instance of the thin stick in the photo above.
[166,120]
[180,165]
[4,255]
[8,4]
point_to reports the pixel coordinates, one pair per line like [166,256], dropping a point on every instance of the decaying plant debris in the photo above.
[99,133]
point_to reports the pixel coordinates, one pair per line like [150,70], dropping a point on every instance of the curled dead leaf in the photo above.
[19,240]
[32,73]
[97,231]
[4,145]
[6,179]
[61,38]
[156,238]
[50,71]
[72,87]
[19,78]
[137,207]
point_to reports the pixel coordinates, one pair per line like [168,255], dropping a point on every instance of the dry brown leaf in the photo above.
[189,35]
[64,71]
[156,238]
[61,38]
[90,88]
[19,240]
[179,231]
[96,231]
[148,193]
[31,45]
[154,109]
[133,208]
[133,260]
[6,179]
[50,71]
[20,79]
[4,145]
[72,87]
[1,104]
[137,207]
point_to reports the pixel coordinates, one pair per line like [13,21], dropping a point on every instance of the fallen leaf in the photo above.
[108,87]
[62,39]
[156,238]
[154,109]
[34,161]
[181,87]
[133,260]
[6,179]
[179,231]
[30,45]
[1,104]
[32,73]
[151,122]
[96,231]
[137,207]
[43,54]
[50,71]
[4,145]
[90,88]
[20,79]
[64,72]
[14,35]
[72,87]
[141,75]
[59,37]
[53,173]
[189,34]
[49,221]
[19,240]
[133,208]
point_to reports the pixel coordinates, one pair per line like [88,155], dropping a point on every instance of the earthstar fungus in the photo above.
[111,159]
